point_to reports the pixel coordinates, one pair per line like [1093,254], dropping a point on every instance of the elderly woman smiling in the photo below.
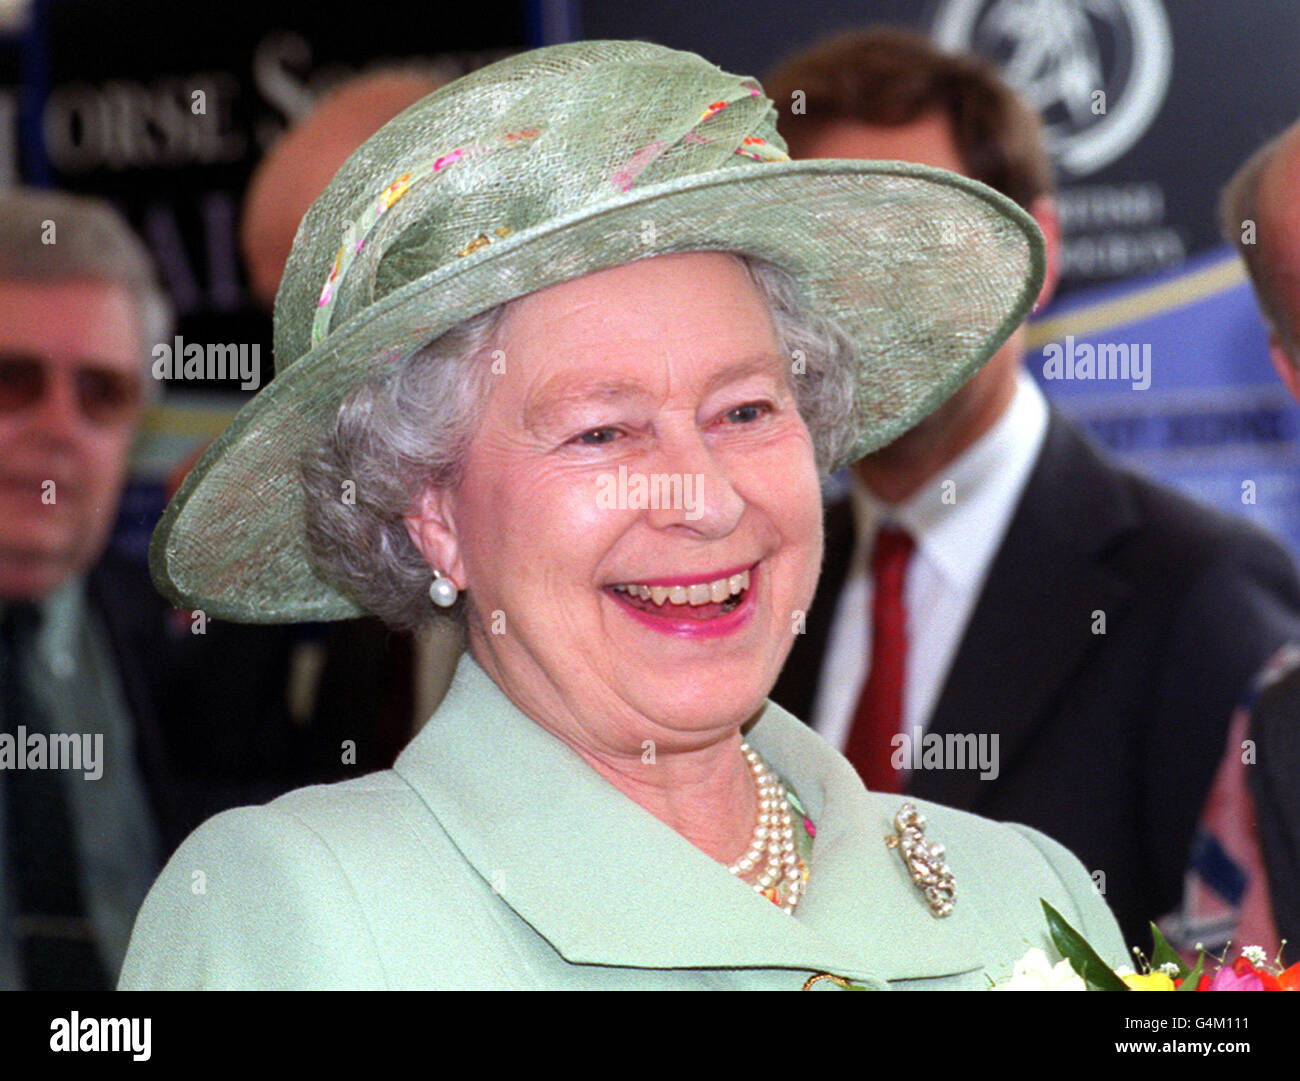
[578,266]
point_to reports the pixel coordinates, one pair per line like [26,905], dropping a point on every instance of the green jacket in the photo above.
[492,856]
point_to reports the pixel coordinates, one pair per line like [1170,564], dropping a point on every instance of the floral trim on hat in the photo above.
[752,146]
[356,233]
[758,148]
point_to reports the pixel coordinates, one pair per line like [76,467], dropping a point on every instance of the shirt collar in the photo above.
[605,882]
[958,517]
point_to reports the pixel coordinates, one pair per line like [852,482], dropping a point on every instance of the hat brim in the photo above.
[927,272]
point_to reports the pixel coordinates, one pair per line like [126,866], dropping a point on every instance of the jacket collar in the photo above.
[607,883]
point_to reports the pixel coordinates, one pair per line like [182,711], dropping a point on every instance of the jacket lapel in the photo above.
[604,882]
[1032,626]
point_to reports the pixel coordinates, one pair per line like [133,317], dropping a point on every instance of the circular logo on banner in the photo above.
[1096,70]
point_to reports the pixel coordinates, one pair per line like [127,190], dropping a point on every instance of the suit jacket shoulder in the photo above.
[1190,535]
[283,896]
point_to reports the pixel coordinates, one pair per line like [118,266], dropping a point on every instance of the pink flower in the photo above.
[1227,980]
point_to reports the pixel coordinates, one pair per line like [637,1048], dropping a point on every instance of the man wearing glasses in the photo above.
[84,822]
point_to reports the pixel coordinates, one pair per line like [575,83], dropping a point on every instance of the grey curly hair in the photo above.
[395,438]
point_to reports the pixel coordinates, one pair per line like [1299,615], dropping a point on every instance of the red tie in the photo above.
[879,716]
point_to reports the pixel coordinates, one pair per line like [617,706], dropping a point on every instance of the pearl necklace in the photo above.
[772,846]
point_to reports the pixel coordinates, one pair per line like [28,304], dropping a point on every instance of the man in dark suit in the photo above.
[1007,621]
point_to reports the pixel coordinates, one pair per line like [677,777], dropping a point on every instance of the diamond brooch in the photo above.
[924,862]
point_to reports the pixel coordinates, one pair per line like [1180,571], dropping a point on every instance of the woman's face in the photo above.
[640,430]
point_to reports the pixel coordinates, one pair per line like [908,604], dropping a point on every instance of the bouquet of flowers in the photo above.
[1082,969]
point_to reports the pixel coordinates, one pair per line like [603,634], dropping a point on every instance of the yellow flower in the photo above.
[1151,981]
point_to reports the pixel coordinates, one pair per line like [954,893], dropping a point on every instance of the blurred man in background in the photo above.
[994,580]
[86,808]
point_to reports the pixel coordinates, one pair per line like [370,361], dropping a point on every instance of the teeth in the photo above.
[695,595]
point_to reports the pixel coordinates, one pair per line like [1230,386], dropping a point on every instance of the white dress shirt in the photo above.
[957,519]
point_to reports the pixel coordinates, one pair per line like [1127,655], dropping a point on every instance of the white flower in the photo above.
[1034,972]
[1255,955]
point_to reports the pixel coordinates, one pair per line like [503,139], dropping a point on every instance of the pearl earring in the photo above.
[443,591]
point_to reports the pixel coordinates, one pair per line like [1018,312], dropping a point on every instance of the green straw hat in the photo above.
[542,168]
